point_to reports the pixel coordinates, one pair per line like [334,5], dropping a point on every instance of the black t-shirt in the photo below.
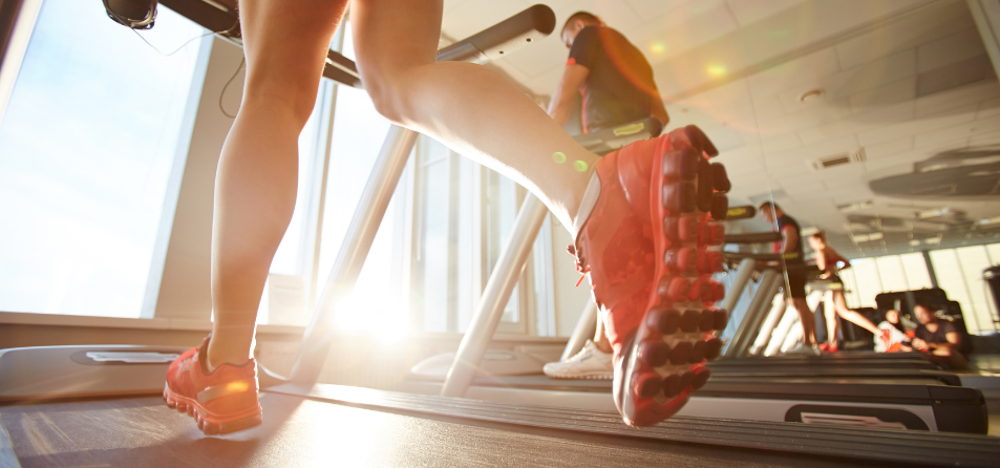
[620,87]
[939,336]
[797,255]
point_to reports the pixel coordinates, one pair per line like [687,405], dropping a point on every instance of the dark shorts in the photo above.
[796,286]
[836,284]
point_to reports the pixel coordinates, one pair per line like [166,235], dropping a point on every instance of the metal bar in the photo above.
[774,316]
[751,321]
[353,251]
[498,288]
[743,273]
[585,329]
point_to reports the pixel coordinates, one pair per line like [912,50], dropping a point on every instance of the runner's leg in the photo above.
[470,108]
[807,319]
[285,44]
[840,304]
[832,324]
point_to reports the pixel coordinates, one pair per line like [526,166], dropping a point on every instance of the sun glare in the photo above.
[716,70]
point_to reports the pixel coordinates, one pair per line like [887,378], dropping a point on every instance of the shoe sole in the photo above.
[601,376]
[664,362]
[208,422]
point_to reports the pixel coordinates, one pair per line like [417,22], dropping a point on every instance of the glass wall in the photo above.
[959,272]
[90,135]
[86,151]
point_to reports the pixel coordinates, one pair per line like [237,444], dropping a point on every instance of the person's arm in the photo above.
[954,339]
[561,105]
[846,262]
[789,239]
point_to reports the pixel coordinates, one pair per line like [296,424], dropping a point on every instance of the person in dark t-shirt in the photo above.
[790,247]
[611,74]
[939,340]
[616,83]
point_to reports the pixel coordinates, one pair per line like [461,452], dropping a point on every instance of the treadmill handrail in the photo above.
[499,40]
[753,238]
[609,139]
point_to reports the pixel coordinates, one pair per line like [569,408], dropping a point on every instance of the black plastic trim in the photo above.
[893,446]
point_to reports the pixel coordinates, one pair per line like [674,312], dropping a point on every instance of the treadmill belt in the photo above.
[911,447]
[143,432]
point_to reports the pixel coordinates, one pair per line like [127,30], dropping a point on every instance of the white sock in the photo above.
[587,204]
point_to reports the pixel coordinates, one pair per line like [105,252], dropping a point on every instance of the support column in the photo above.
[986,13]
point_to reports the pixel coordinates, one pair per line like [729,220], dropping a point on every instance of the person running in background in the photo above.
[939,340]
[828,261]
[617,86]
[793,261]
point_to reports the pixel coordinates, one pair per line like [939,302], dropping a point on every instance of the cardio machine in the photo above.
[114,428]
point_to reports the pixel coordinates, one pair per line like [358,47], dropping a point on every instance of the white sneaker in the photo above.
[589,363]
[802,349]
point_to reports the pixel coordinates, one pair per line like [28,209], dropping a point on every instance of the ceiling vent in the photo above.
[839,159]
[859,238]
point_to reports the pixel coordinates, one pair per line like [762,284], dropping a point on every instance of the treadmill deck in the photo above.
[300,432]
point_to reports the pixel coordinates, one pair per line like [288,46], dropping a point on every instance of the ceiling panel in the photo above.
[656,8]
[849,83]
[985,92]
[737,68]
[471,16]
[926,25]
[750,11]
[877,98]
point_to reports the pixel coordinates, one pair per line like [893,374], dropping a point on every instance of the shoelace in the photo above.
[581,264]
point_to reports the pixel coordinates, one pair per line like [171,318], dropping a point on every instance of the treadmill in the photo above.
[903,391]
[87,405]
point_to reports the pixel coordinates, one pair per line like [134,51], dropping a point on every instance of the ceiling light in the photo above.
[811,95]
[858,238]
[987,221]
[931,213]
[933,240]
[716,70]
[855,206]
[915,243]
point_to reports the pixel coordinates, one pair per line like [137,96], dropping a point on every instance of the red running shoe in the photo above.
[645,246]
[221,401]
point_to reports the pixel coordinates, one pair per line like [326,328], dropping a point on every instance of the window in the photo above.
[959,272]
[90,135]
[463,216]
[357,136]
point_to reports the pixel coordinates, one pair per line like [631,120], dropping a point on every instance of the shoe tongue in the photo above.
[203,355]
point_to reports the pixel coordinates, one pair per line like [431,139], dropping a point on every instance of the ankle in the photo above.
[222,352]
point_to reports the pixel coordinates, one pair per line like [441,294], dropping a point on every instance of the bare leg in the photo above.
[853,316]
[469,108]
[285,44]
[807,319]
[832,324]
[600,337]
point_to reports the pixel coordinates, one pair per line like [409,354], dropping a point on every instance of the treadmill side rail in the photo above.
[46,372]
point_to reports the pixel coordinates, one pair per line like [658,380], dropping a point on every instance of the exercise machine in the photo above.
[309,423]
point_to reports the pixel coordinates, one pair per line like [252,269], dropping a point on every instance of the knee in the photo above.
[388,98]
[296,100]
